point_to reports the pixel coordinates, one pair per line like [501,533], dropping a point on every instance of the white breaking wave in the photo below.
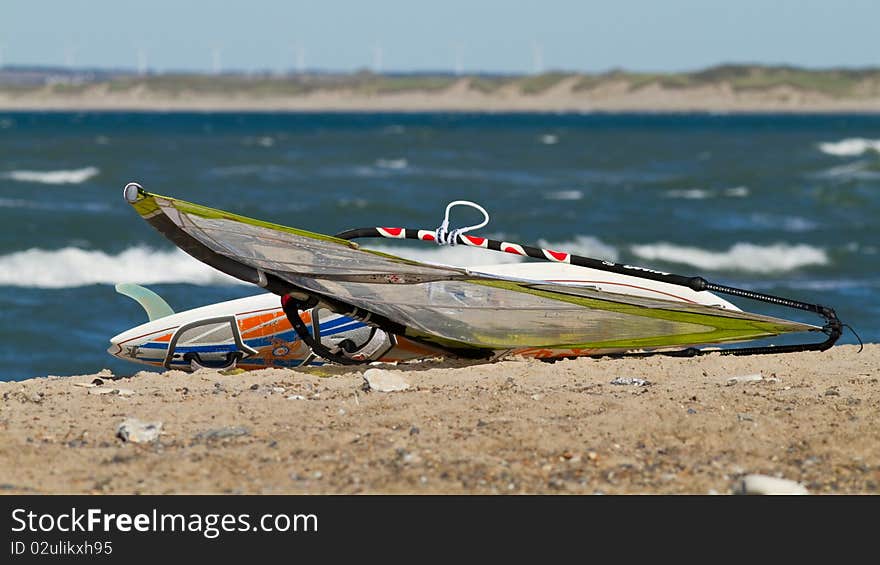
[688,193]
[737,191]
[394,164]
[72,267]
[564,195]
[779,257]
[702,194]
[850,146]
[72,176]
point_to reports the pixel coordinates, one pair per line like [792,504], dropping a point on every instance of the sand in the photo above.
[611,96]
[515,426]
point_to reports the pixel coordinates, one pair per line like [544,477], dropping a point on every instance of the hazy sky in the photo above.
[405,35]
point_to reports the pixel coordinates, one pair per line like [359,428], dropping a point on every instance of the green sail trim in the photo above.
[724,328]
[720,328]
[147,206]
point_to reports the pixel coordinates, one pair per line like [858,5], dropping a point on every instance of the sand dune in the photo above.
[460,96]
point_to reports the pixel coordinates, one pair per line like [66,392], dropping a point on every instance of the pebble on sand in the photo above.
[630,381]
[137,431]
[763,484]
[753,378]
[381,380]
[105,390]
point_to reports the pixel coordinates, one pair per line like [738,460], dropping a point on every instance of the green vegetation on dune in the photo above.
[633,81]
[837,83]
[178,84]
[369,83]
[489,84]
[539,83]
[273,86]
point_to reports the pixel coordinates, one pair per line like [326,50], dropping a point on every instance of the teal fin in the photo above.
[151,302]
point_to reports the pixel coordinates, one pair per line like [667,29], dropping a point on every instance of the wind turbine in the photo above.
[69,56]
[377,59]
[459,59]
[141,61]
[300,59]
[537,58]
[215,60]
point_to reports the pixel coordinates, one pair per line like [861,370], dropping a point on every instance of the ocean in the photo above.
[783,204]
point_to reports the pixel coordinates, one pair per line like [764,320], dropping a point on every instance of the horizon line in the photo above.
[367,70]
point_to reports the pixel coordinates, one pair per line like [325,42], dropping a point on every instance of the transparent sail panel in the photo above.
[471,308]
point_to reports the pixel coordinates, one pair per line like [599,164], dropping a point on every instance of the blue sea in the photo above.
[784,204]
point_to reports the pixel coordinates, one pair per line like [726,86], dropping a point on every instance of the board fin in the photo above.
[154,305]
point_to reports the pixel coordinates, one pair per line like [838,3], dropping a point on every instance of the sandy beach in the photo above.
[460,96]
[696,426]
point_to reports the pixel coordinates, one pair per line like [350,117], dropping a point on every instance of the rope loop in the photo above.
[445,236]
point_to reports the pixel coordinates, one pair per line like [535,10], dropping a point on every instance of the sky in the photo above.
[512,36]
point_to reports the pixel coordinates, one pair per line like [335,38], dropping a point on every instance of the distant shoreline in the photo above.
[728,89]
[656,103]
[231,109]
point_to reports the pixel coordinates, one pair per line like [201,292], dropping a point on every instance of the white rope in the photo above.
[444,236]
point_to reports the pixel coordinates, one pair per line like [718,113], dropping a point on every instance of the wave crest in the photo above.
[779,257]
[72,176]
[564,195]
[72,267]
[850,147]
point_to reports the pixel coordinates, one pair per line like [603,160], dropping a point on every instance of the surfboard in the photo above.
[254,332]
[248,333]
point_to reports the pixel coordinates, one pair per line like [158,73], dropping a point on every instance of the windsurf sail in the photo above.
[466,312]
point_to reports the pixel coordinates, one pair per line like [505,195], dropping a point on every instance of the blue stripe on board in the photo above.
[222,348]
[288,336]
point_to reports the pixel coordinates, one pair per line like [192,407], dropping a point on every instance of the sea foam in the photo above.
[702,194]
[72,176]
[72,267]
[688,193]
[778,257]
[850,147]
[393,164]
[564,195]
